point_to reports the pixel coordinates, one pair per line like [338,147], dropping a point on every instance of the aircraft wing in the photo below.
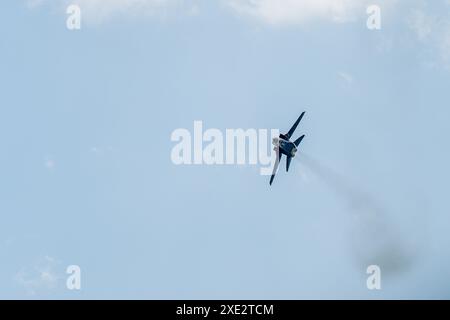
[291,132]
[275,167]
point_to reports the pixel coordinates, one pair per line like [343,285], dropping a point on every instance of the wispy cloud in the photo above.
[270,11]
[41,277]
[35,3]
[288,12]
[101,10]
[432,29]
[346,77]
[49,163]
[421,23]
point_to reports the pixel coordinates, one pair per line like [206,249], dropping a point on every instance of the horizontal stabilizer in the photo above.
[297,142]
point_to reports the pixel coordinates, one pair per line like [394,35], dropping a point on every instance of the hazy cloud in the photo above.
[288,12]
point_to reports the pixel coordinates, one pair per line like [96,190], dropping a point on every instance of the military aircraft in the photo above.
[283,145]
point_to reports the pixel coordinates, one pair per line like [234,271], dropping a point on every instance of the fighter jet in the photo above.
[283,145]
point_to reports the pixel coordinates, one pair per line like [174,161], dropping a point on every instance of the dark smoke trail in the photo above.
[374,239]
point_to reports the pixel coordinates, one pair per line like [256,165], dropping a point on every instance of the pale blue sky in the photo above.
[86,176]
